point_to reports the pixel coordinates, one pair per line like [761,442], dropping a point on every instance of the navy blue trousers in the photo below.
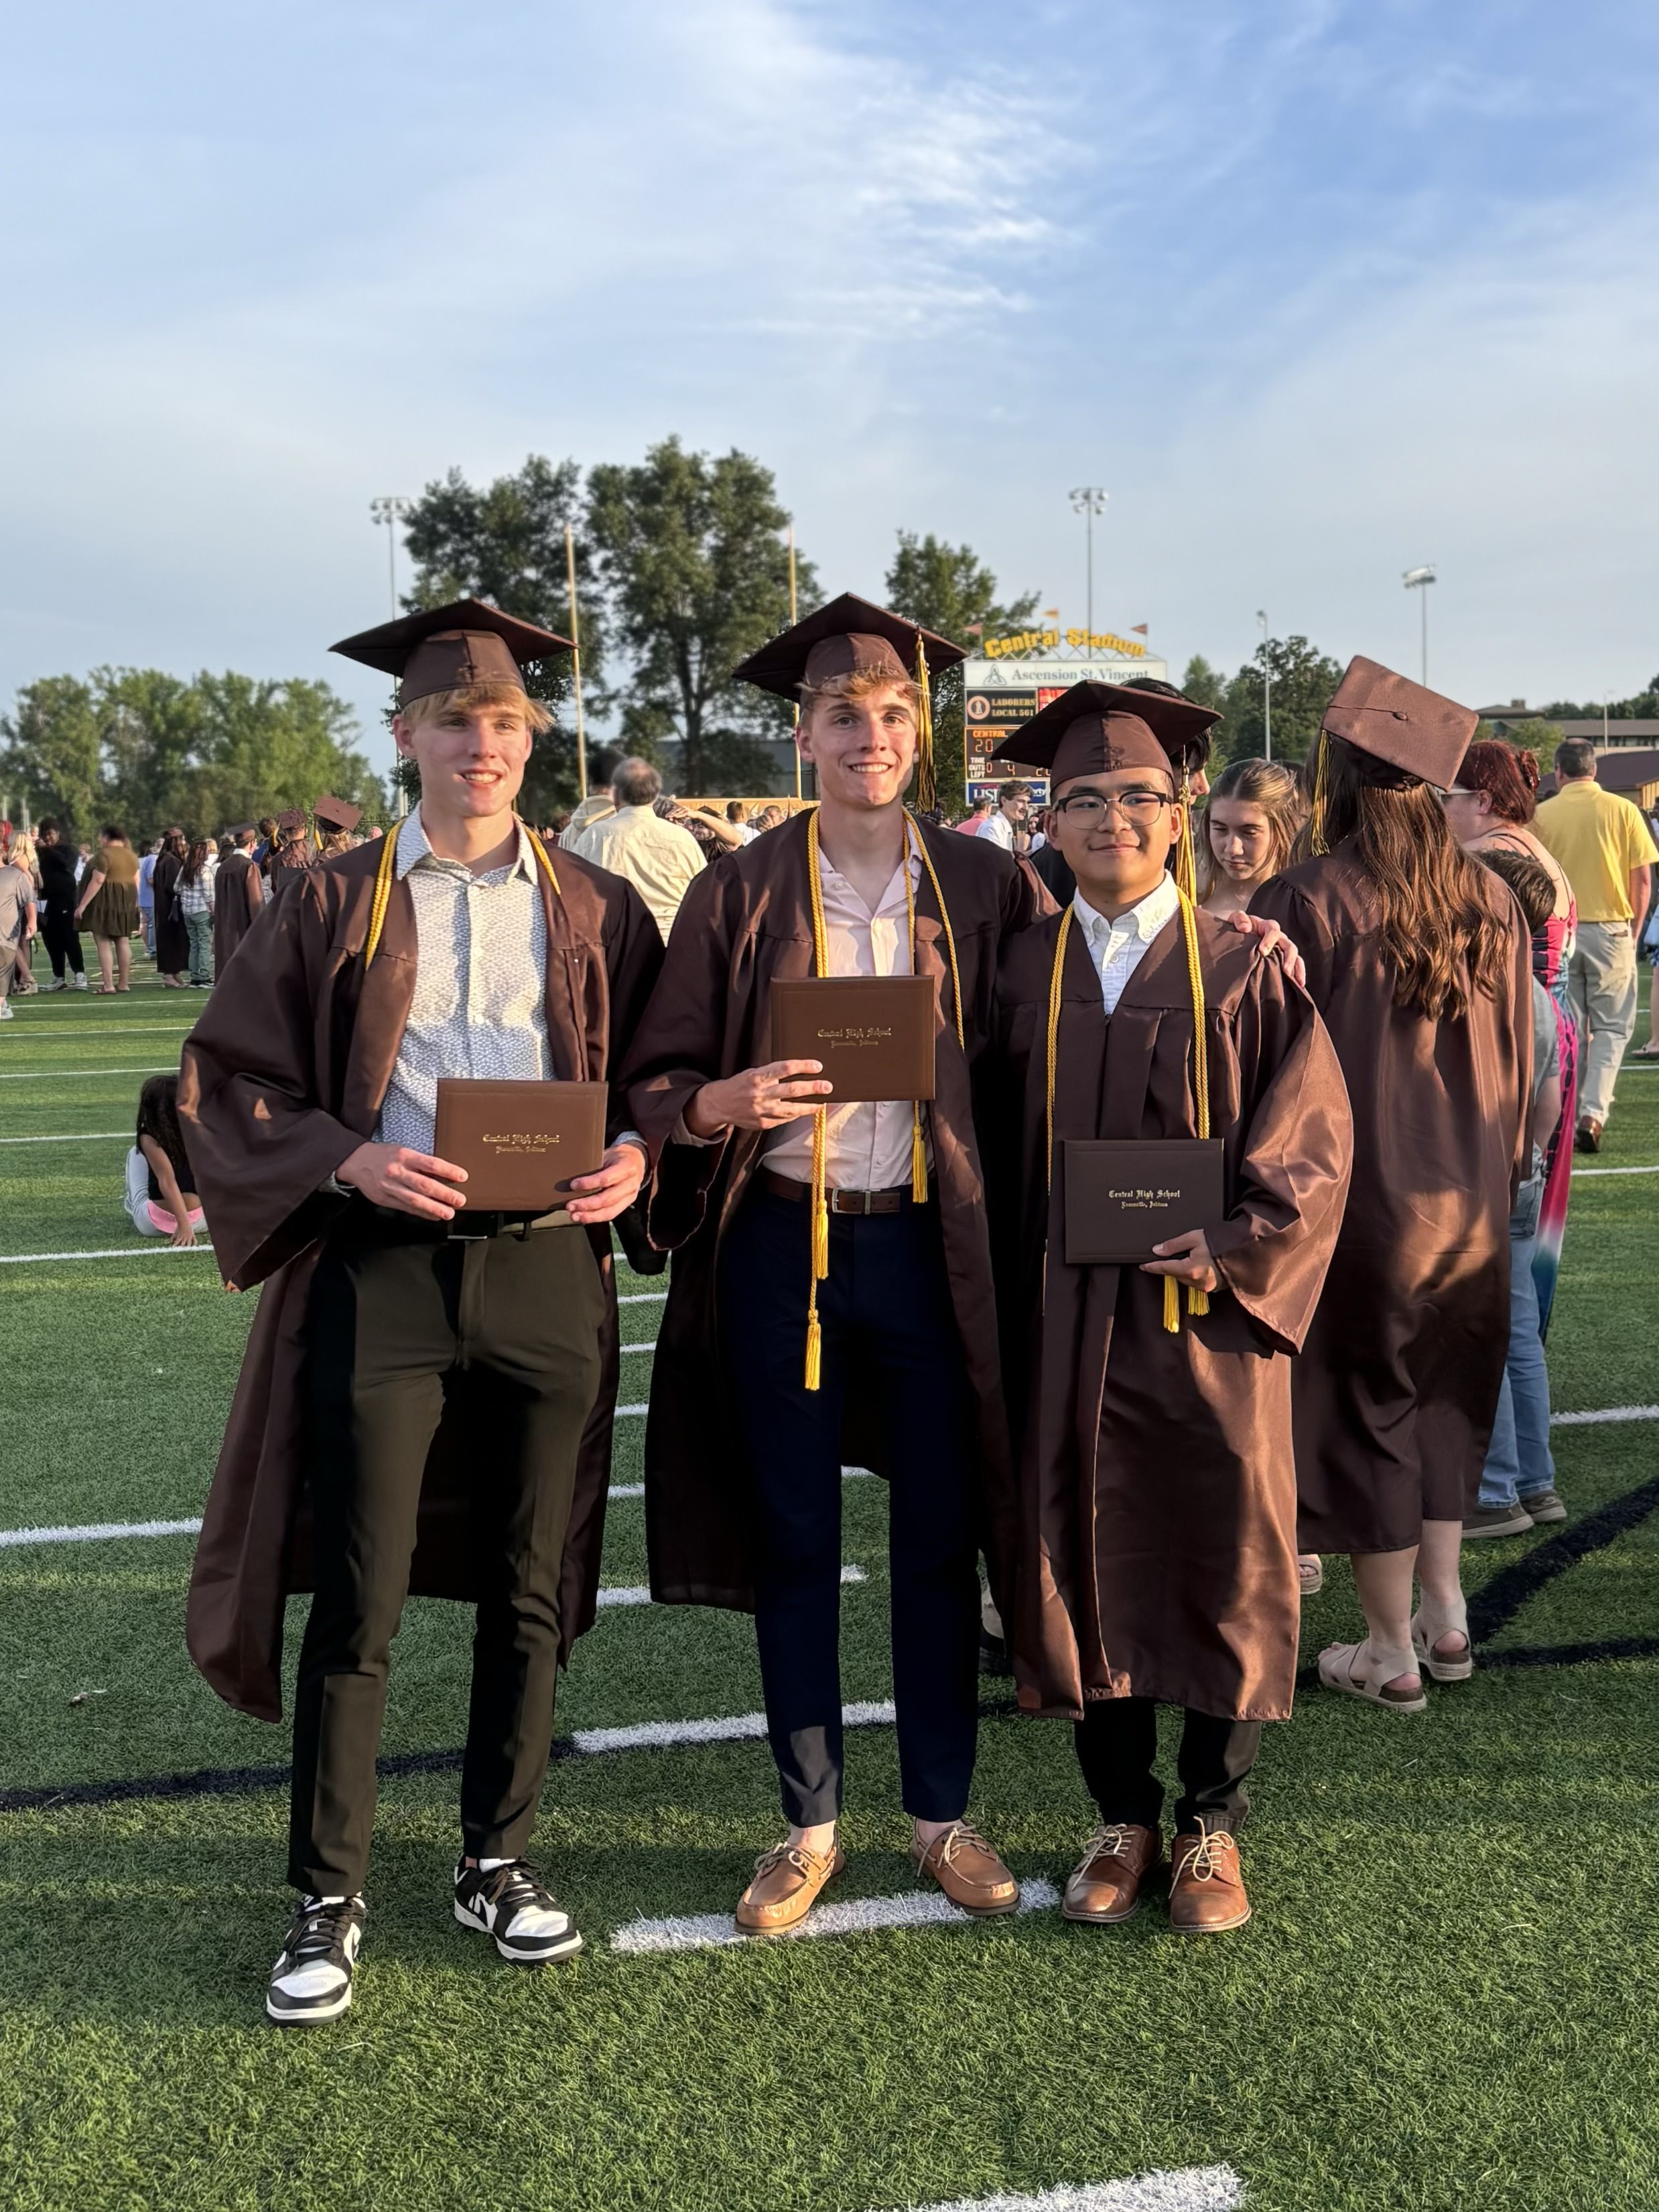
[888,1329]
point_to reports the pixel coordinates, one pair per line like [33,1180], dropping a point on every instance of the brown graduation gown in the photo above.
[282,1078]
[1158,1497]
[745,922]
[239,892]
[1396,1390]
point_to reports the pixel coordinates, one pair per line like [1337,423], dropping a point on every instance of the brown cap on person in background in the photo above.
[335,813]
[1415,734]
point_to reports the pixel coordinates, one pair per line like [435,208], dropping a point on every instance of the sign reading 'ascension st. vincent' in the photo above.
[1017,677]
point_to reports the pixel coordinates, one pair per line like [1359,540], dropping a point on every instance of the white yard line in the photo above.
[639,1348]
[74,1074]
[1178,2189]
[84,1137]
[92,1532]
[155,1251]
[112,1028]
[1604,1413]
[642,1297]
[1590,1172]
[857,1916]
[727,1728]
[639,1594]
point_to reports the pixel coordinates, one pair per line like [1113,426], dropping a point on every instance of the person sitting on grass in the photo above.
[161,1196]
[1150,1393]
[1517,1486]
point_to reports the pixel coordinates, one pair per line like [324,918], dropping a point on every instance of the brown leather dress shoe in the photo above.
[1105,1885]
[1587,1138]
[968,1870]
[786,1886]
[1206,1887]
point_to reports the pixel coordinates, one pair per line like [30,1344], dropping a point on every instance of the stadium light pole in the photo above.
[1418,580]
[391,509]
[794,618]
[1266,690]
[1090,501]
[576,660]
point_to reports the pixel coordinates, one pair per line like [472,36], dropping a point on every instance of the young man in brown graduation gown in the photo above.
[743,1453]
[239,892]
[1158,1496]
[427,1396]
[1398,1387]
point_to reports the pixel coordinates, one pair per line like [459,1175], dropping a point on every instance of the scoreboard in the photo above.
[999,694]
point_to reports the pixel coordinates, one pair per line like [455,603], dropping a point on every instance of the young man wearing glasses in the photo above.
[1152,1401]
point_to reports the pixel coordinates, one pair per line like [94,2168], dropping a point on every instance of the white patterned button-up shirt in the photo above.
[480,980]
[1117,948]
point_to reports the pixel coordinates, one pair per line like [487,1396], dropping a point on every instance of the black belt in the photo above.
[839,1201]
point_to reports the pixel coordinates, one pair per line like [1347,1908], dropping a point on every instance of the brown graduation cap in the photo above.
[848,634]
[450,648]
[292,819]
[1404,725]
[335,813]
[1095,727]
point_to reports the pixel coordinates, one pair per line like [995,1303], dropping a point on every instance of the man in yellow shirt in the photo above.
[1606,852]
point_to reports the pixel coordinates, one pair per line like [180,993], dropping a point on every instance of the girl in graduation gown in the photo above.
[1158,1508]
[1418,960]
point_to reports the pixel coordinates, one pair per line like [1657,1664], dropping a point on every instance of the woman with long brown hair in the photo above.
[1418,960]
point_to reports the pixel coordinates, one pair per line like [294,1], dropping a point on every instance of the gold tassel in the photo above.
[1186,874]
[918,1158]
[1316,827]
[926,780]
[814,1347]
[1172,1305]
[1198,1302]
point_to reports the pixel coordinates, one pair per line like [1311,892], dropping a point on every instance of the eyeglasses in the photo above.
[1086,808]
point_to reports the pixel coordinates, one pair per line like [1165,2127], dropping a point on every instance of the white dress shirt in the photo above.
[867,1147]
[660,859]
[1117,948]
[998,829]
[480,981]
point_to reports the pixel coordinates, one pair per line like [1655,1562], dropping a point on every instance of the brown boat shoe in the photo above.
[1105,1884]
[787,1882]
[968,1870]
[1207,1886]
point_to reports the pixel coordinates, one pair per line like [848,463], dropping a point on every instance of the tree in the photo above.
[1204,685]
[691,550]
[505,543]
[1303,682]
[140,747]
[948,588]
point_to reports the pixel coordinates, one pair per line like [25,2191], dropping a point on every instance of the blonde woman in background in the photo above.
[1247,825]
[23,856]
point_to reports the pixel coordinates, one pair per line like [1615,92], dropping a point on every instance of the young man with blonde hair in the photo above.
[744,1444]
[426,1401]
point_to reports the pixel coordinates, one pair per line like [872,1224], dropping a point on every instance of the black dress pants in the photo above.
[1117,1746]
[62,936]
[888,1328]
[402,1318]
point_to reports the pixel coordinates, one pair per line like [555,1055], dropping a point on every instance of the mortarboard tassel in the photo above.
[926,780]
[1172,1305]
[1316,826]
[917,1157]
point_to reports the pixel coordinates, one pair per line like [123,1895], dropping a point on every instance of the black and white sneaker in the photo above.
[311,1981]
[511,1902]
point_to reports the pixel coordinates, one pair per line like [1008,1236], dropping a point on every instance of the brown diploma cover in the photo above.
[521,1142]
[1123,1196]
[873,1033]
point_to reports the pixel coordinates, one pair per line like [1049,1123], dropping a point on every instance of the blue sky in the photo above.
[1315,290]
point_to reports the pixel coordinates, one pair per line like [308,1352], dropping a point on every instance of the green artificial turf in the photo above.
[1442,2000]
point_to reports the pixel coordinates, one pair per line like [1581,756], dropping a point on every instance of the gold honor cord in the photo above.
[820,1113]
[386,871]
[1197,1300]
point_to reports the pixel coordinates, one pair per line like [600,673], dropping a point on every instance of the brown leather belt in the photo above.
[840,1202]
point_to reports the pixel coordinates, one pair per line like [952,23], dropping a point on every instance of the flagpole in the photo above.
[576,663]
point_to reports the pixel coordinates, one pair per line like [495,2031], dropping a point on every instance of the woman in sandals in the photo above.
[1418,960]
[1249,825]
